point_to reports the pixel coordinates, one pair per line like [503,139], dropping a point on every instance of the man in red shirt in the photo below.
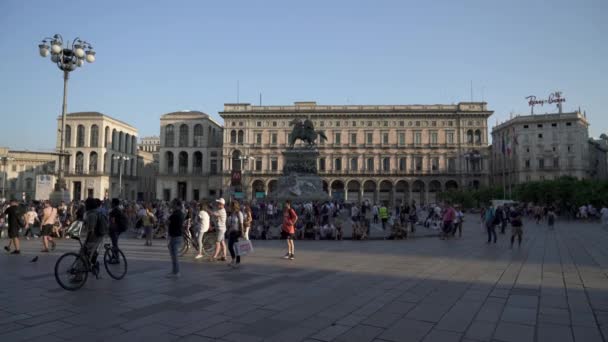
[288,230]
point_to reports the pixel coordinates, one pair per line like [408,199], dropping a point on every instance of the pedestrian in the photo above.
[176,225]
[30,219]
[375,213]
[50,216]
[354,213]
[413,216]
[119,222]
[248,215]
[489,220]
[459,221]
[383,213]
[551,218]
[288,229]
[604,215]
[203,215]
[449,215]
[148,221]
[15,215]
[236,225]
[516,227]
[220,245]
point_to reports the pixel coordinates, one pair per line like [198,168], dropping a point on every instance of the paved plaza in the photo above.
[554,288]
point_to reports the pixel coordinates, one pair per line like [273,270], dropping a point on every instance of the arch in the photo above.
[272,185]
[93,162]
[337,190]
[369,191]
[106,137]
[80,136]
[385,192]
[94,136]
[236,160]
[469,137]
[114,141]
[169,136]
[258,189]
[353,191]
[79,168]
[402,192]
[183,135]
[325,187]
[418,189]
[68,136]
[197,163]
[198,135]
[233,137]
[434,188]
[241,137]
[182,161]
[477,137]
[451,185]
[121,141]
[169,162]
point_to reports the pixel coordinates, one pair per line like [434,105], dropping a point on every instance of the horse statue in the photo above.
[304,130]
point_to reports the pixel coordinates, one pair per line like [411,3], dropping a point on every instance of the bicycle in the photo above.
[190,241]
[77,266]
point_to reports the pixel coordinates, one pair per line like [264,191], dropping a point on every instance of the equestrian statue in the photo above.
[304,130]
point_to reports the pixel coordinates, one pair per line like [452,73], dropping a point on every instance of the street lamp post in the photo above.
[67,59]
[5,161]
[121,160]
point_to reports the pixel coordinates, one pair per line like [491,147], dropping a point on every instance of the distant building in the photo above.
[152,145]
[540,147]
[21,170]
[598,158]
[190,157]
[102,161]
[147,170]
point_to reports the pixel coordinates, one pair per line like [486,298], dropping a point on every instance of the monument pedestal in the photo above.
[300,182]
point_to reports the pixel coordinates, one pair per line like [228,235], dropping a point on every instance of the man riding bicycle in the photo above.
[96,226]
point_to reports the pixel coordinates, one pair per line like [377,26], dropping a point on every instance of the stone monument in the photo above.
[300,182]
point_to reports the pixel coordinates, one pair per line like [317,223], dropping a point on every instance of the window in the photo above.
[233,124]
[402,138]
[449,137]
[183,135]
[258,138]
[213,166]
[233,137]
[79,163]
[68,136]
[469,137]
[94,136]
[386,164]
[527,163]
[338,164]
[354,123]
[80,136]
[273,138]
[568,123]
[274,164]
[370,164]
[369,136]
[198,135]
[569,148]
[553,125]
[525,126]
[541,163]
[434,138]
[402,164]
[540,135]
[93,162]
[434,164]
[450,123]
[539,125]
[14,168]
[258,123]
[418,163]
[385,123]
[322,164]
[556,162]
[417,138]
[241,137]
[274,124]
[527,150]
[417,123]
[337,138]
[337,123]
[258,164]
[369,124]
[433,123]
[477,137]
[241,124]
[354,164]
[401,123]
[452,164]
[385,138]
[322,123]
[353,139]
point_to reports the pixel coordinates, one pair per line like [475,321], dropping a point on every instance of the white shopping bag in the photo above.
[243,247]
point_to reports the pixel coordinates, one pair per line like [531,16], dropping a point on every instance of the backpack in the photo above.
[122,223]
[102,225]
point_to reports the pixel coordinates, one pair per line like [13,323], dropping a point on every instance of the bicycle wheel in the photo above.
[185,247]
[209,240]
[115,263]
[71,271]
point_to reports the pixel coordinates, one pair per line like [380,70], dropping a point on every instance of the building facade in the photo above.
[152,145]
[385,153]
[540,147]
[147,170]
[22,171]
[102,156]
[190,157]
[598,158]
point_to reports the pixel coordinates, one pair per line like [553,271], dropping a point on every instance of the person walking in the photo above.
[375,213]
[449,215]
[288,229]
[176,226]
[148,221]
[49,220]
[236,225]
[203,215]
[383,213]
[248,215]
[489,220]
[459,221]
[220,245]
[119,222]
[551,218]
[413,215]
[30,219]
[516,226]
[15,215]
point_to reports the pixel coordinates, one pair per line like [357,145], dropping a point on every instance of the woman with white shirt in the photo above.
[204,227]
[235,225]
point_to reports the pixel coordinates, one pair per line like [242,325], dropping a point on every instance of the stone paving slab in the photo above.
[554,288]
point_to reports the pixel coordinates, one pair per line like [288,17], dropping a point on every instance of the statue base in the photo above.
[300,182]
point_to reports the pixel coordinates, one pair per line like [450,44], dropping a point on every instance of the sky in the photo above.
[155,57]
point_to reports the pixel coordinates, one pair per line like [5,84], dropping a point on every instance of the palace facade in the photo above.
[379,153]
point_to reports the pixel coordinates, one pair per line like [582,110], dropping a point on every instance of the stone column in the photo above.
[190,162]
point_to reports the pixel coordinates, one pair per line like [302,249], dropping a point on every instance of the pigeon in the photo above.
[34,259]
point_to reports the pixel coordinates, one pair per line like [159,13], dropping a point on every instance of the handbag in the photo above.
[243,247]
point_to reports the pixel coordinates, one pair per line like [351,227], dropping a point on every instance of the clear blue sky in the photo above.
[154,57]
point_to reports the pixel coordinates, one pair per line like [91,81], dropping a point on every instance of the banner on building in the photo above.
[235,179]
